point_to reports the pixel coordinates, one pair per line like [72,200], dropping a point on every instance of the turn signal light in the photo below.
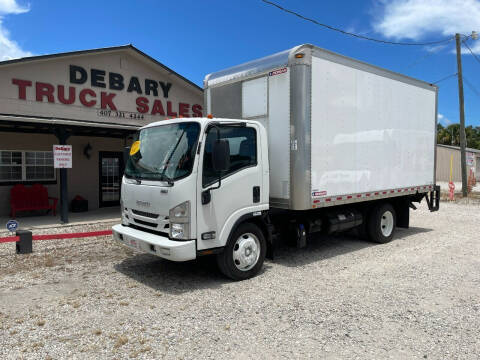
[299,56]
[208,235]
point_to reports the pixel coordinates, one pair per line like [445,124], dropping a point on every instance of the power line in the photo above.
[445,78]
[471,51]
[470,85]
[418,61]
[429,54]
[352,34]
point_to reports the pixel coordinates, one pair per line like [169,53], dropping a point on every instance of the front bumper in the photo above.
[155,244]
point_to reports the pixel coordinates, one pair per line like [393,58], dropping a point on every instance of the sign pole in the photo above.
[62,136]
[451,167]
[451,185]
[63,196]
[463,140]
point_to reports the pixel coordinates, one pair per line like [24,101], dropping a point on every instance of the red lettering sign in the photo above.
[44,89]
[45,92]
[107,100]
[83,97]
[22,87]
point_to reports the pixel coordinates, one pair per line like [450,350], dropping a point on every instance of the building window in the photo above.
[10,166]
[26,166]
[39,166]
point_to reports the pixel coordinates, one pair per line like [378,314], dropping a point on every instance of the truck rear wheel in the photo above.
[243,256]
[382,223]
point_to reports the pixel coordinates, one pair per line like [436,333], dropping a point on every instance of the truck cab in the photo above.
[194,187]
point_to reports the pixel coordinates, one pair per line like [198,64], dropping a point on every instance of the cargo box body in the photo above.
[339,130]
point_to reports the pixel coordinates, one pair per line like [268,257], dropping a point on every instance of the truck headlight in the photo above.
[179,218]
[179,231]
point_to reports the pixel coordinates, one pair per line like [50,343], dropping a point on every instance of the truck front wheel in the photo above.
[381,223]
[243,256]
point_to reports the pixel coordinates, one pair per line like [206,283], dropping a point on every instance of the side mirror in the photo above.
[221,155]
[126,154]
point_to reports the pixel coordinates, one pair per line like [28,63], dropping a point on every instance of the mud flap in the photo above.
[272,241]
[433,199]
[301,236]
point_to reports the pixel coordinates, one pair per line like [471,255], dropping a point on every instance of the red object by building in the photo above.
[36,197]
[451,191]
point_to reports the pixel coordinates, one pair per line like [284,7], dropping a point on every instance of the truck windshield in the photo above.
[164,152]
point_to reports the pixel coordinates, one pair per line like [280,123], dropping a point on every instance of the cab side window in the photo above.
[243,151]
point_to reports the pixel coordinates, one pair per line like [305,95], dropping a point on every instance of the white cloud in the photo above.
[420,19]
[443,120]
[9,49]
[475,46]
[435,48]
[11,7]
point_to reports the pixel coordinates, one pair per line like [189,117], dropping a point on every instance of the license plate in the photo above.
[133,243]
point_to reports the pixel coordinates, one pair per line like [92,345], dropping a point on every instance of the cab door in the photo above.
[241,185]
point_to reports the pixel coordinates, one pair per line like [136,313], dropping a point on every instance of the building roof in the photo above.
[458,148]
[128,47]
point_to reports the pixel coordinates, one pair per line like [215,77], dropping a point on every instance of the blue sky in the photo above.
[196,37]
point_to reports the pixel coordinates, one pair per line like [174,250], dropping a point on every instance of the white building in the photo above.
[93,100]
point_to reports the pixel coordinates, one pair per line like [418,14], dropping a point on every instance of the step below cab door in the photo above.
[241,188]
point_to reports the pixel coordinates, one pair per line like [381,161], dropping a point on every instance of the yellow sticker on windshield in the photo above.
[135,148]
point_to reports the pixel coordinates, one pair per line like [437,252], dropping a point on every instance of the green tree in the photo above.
[473,136]
[443,136]
[450,135]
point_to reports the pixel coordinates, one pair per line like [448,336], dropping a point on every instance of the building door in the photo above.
[110,177]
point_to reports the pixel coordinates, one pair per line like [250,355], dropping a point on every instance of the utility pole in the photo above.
[463,139]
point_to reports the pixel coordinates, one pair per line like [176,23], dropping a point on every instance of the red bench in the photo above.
[36,197]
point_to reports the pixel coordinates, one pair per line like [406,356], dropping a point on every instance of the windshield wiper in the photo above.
[170,181]
[134,176]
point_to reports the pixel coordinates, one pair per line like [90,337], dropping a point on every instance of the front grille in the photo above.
[144,213]
[146,223]
[161,233]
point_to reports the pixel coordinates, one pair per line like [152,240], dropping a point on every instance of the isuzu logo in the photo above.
[143,203]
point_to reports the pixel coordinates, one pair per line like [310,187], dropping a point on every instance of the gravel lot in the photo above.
[416,297]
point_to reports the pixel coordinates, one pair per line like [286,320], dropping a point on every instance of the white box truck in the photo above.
[301,142]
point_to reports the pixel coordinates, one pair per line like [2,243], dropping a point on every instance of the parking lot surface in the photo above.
[341,297]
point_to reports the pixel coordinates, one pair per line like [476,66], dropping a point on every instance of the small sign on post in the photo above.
[62,156]
[12,225]
[470,158]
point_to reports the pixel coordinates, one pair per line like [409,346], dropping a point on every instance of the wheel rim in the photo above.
[246,252]
[386,223]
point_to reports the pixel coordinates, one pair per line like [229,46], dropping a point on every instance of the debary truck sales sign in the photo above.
[109,81]
[118,87]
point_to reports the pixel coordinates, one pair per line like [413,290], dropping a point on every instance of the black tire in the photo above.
[225,260]
[378,232]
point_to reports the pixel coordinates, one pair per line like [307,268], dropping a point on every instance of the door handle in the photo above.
[256,194]
[206,197]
